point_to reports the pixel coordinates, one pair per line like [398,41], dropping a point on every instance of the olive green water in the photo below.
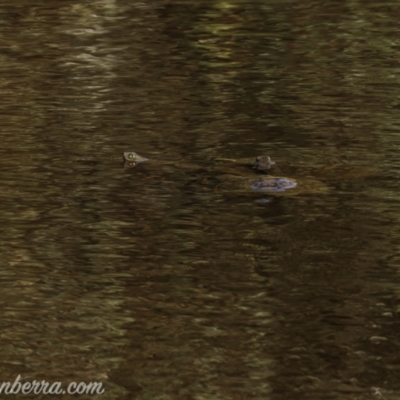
[153,280]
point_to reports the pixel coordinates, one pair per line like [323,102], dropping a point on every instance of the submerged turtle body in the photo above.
[309,179]
[240,179]
[239,176]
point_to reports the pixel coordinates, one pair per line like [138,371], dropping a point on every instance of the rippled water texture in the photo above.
[174,279]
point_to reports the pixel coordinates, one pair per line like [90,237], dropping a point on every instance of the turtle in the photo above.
[276,183]
[309,179]
[239,174]
[239,170]
[271,184]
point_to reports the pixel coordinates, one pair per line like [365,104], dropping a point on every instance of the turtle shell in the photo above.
[274,184]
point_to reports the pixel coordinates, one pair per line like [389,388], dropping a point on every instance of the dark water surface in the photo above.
[169,280]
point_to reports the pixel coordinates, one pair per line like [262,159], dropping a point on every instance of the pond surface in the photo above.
[173,279]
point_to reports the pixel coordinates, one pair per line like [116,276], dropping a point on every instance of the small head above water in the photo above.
[263,163]
[132,159]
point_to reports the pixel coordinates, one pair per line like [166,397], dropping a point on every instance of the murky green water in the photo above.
[170,280]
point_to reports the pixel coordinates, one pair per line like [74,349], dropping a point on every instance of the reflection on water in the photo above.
[173,279]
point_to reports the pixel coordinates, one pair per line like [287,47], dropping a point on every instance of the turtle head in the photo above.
[132,159]
[263,163]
